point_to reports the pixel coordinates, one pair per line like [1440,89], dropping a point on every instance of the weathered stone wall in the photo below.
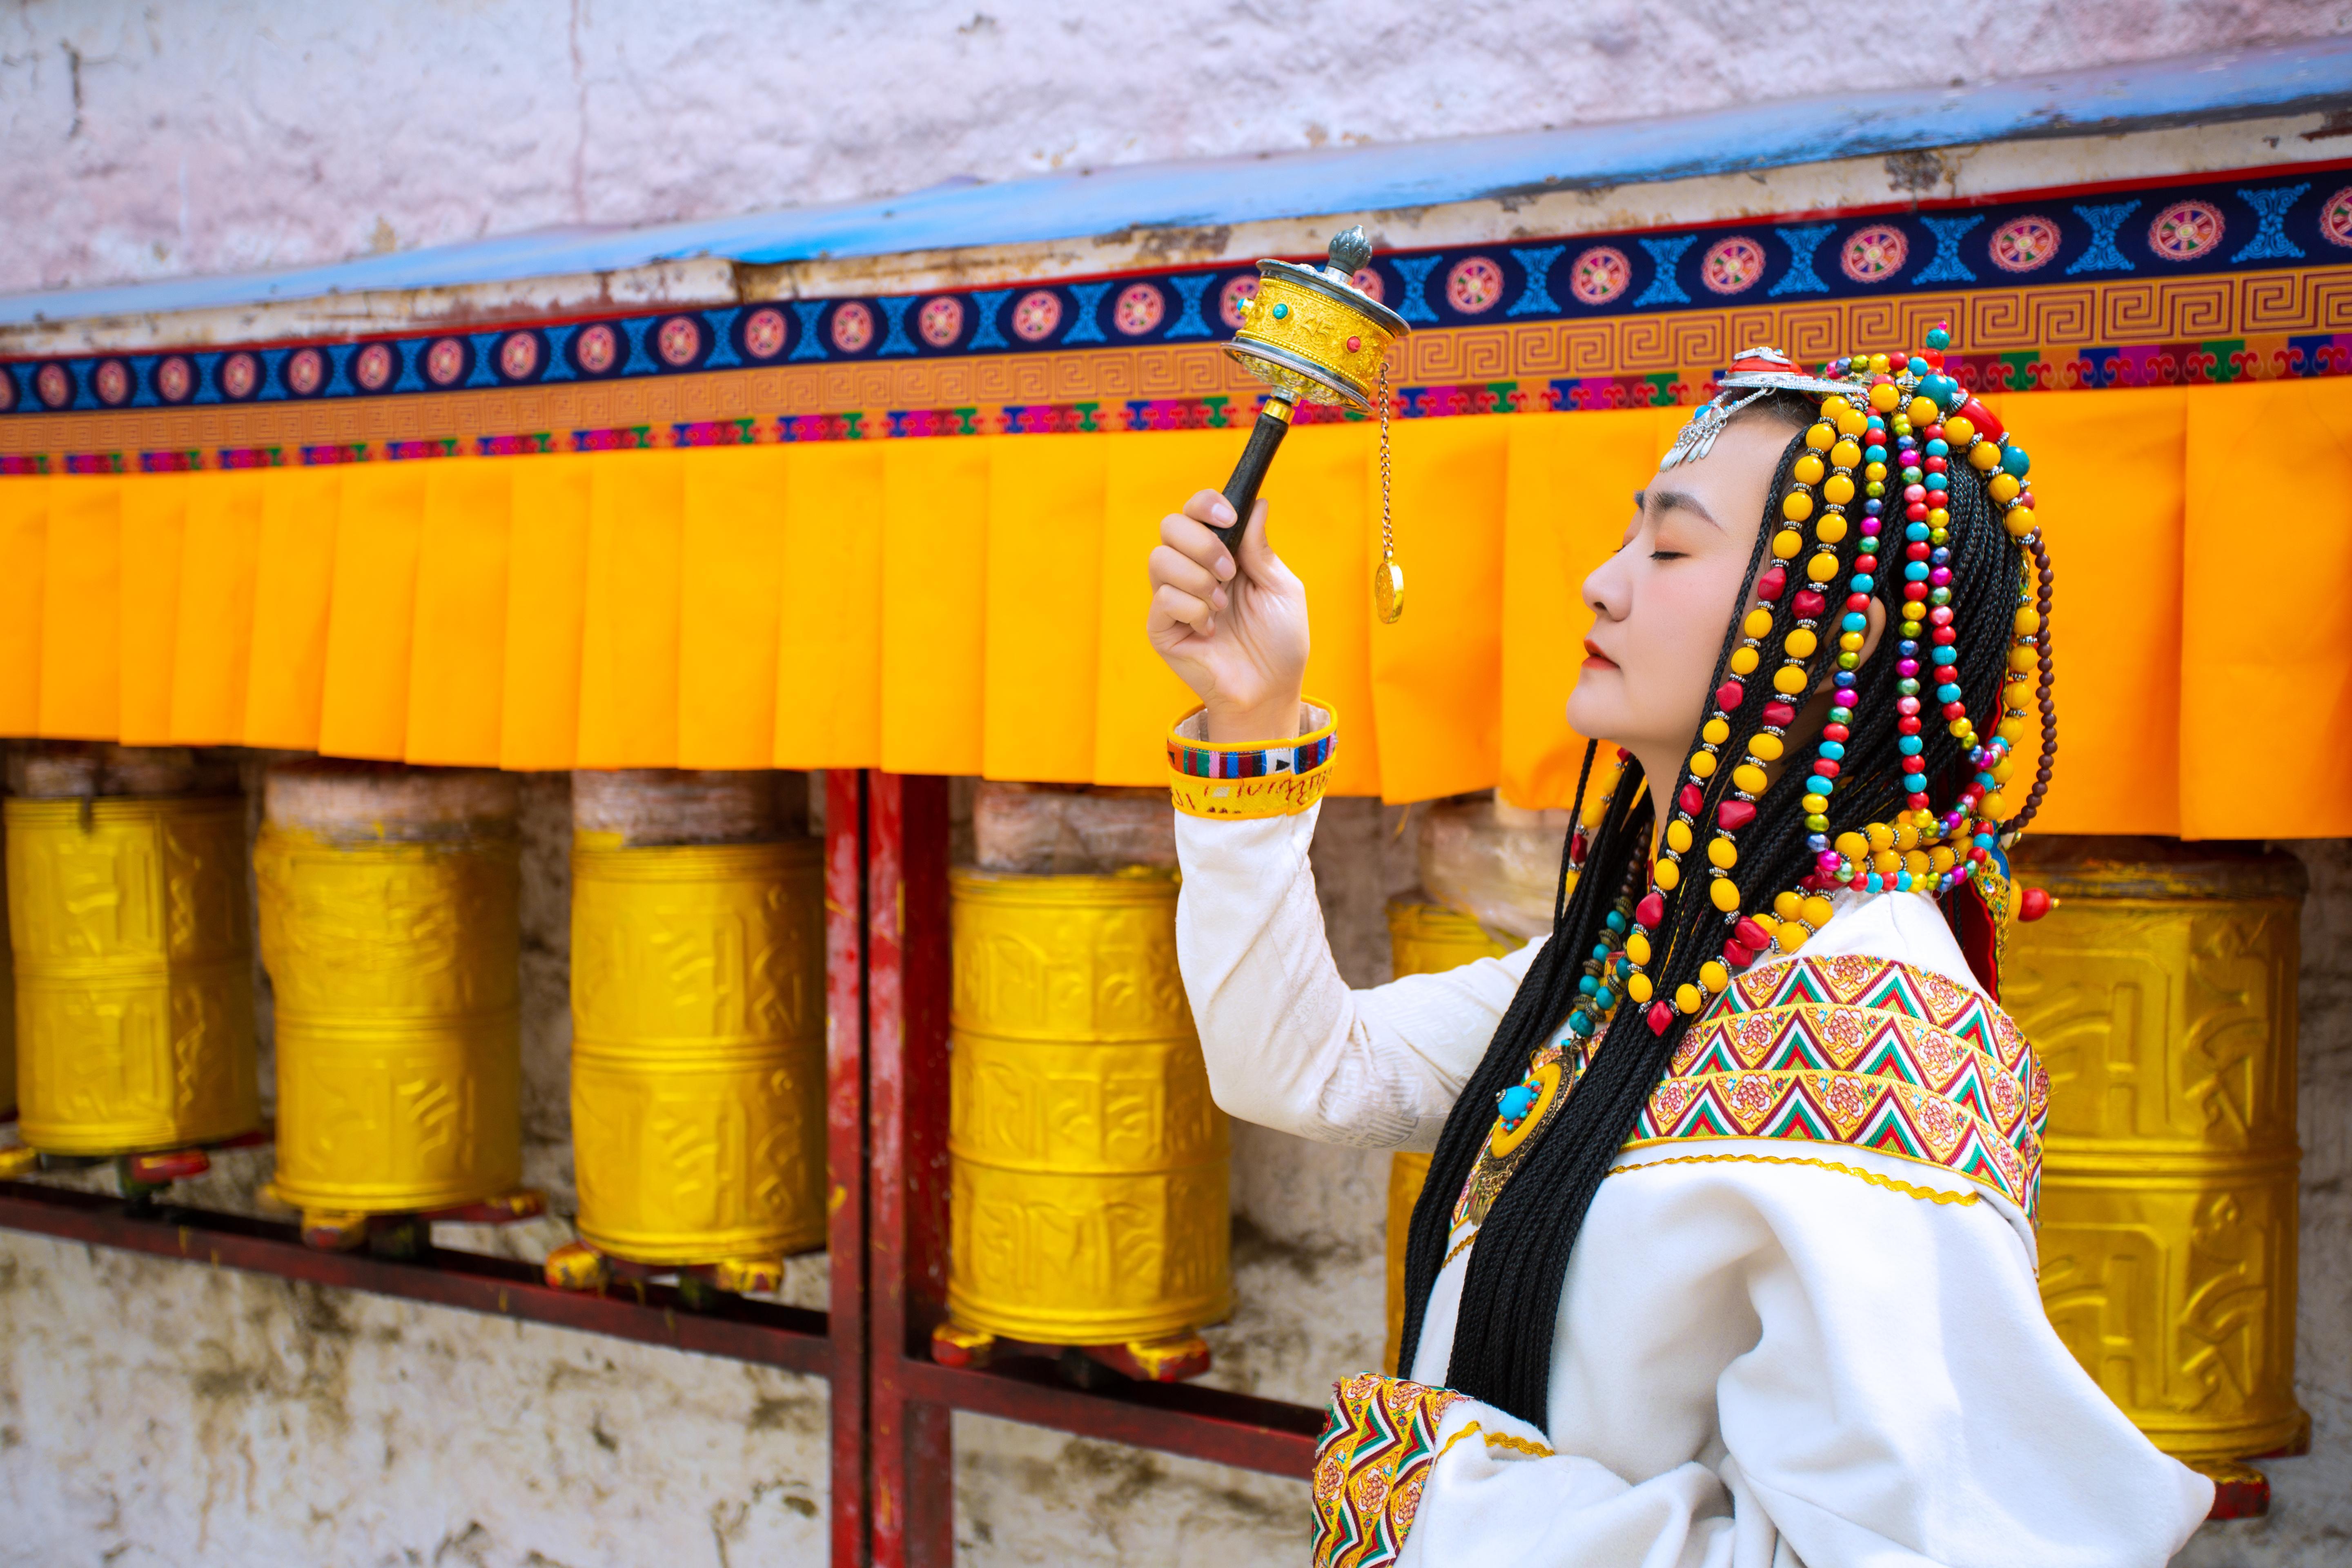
[141,140]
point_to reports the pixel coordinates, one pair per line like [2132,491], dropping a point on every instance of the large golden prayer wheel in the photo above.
[389,926]
[1424,939]
[697,1051]
[2160,994]
[1089,1166]
[133,973]
[7,1000]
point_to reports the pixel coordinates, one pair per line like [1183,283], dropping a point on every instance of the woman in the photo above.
[1727,1253]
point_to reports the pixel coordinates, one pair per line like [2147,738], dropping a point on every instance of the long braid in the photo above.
[1502,1351]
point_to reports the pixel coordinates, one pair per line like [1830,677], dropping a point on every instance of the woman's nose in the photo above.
[1605,589]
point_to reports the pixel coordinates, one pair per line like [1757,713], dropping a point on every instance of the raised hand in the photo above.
[1234,633]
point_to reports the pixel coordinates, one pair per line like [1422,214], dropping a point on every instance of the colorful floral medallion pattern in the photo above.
[852,326]
[764,332]
[112,382]
[372,367]
[598,349]
[2335,218]
[305,372]
[678,341]
[2023,243]
[1378,1443]
[445,362]
[1234,297]
[940,322]
[240,377]
[176,377]
[519,355]
[1875,254]
[1732,265]
[1037,315]
[2185,230]
[1599,275]
[1475,285]
[1139,310]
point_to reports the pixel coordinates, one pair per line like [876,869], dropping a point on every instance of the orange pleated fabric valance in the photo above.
[974,605]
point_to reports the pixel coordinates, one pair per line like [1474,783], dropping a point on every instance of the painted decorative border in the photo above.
[2183,283]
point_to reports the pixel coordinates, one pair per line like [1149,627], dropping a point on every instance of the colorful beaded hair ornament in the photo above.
[1892,427]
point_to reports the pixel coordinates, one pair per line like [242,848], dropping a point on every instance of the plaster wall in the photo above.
[141,140]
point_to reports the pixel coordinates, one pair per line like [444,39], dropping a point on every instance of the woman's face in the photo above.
[1661,603]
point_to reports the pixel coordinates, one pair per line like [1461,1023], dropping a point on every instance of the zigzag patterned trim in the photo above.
[1926,1195]
[1864,1052]
[1377,1446]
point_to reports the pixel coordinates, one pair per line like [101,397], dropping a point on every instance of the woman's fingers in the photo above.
[1172,607]
[1171,566]
[1189,531]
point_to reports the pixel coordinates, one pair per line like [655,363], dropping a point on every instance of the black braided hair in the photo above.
[1502,1349]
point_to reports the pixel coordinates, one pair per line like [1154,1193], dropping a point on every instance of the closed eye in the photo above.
[1668,554]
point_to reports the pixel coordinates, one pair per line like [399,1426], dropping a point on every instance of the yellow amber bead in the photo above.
[1820,436]
[1850,642]
[1993,805]
[1838,489]
[1831,530]
[1942,860]
[2019,521]
[1852,846]
[1768,747]
[1786,905]
[1667,875]
[1816,913]
[1798,505]
[1725,894]
[1788,680]
[1803,642]
[1702,764]
[1916,862]
[2027,621]
[1809,469]
[1878,365]
[1714,730]
[1847,453]
[1744,660]
[1984,457]
[2022,659]
[1886,862]
[1687,999]
[1637,948]
[1885,396]
[1759,622]
[1678,835]
[2002,488]
[1637,986]
[1853,422]
[1907,835]
[1958,431]
[1747,778]
[1787,542]
[1832,406]
[1715,976]
[1792,935]
[1923,411]
[1821,567]
[2004,769]
[1939,518]
[1723,853]
[2012,730]
[1880,836]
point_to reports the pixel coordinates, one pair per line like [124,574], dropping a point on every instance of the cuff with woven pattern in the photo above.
[1250,778]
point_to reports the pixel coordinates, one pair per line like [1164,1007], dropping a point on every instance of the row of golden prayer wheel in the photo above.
[1089,1175]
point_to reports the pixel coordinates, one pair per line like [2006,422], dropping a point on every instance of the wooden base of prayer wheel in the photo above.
[2161,995]
[698,1001]
[1089,1166]
[1424,939]
[388,904]
[132,973]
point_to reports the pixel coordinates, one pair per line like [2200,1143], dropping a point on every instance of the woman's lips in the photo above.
[1594,659]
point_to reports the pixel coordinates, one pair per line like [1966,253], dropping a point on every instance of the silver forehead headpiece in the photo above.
[1753,373]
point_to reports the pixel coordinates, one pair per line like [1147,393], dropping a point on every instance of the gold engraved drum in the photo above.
[697,1056]
[1089,1165]
[133,972]
[1424,939]
[399,1056]
[8,1001]
[2161,996]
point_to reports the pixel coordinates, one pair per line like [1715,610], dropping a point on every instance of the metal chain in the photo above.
[1388,526]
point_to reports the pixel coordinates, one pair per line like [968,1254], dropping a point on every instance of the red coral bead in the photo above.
[1650,911]
[1809,605]
[1661,1017]
[1735,815]
[1768,585]
[1779,715]
[1730,695]
[1751,934]
[2033,903]
[1690,797]
[1977,415]
[1737,956]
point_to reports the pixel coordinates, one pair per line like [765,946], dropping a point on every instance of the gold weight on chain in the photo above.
[1388,577]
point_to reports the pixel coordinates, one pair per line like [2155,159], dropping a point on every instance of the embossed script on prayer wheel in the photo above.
[1089,1165]
[2161,995]
[389,928]
[133,974]
[1424,939]
[697,1056]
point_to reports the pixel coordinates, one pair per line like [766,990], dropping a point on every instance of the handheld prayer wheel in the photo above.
[698,1005]
[1424,939]
[1088,1164]
[2160,992]
[132,963]
[1313,334]
[388,904]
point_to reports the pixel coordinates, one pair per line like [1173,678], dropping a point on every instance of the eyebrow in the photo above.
[1668,500]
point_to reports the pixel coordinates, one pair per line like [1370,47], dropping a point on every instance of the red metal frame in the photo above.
[886,991]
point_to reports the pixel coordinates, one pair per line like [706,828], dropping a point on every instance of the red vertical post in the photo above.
[908,984]
[845,1158]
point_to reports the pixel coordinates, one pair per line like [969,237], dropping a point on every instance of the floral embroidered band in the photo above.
[1377,1446]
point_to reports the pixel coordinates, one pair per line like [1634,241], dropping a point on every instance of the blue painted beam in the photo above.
[2296,78]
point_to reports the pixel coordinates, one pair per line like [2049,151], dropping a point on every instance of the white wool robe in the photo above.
[1769,1352]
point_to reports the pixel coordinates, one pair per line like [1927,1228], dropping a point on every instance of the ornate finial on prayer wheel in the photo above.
[1313,335]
